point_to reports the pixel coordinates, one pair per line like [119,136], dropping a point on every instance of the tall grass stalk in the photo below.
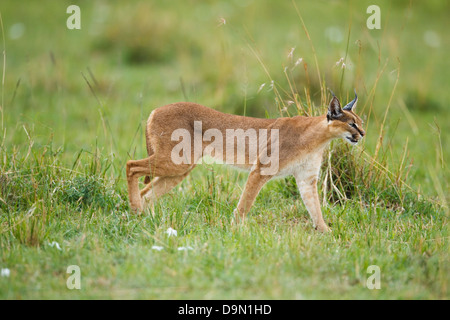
[2,106]
[101,110]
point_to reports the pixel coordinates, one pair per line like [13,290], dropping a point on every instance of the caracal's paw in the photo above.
[238,219]
[137,210]
[323,228]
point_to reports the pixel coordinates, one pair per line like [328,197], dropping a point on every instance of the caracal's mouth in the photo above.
[351,140]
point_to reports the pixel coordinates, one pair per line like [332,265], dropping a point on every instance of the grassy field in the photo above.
[73,109]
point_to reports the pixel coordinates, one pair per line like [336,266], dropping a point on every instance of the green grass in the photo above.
[277,254]
[73,108]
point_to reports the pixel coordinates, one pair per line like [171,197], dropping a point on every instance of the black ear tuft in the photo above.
[352,104]
[332,93]
[334,109]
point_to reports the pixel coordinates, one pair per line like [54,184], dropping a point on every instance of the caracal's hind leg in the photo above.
[150,152]
[158,187]
[136,169]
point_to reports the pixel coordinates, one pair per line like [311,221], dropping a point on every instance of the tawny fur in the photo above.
[302,141]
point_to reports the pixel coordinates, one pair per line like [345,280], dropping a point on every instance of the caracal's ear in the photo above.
[334,109]
[352,104]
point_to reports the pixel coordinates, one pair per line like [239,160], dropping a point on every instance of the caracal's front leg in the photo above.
[310,196]
[254,184]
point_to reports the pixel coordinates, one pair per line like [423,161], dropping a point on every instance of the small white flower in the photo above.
[298,62]
[185,248]
[343,65]
[171,232]
[340,61]
[55,244]
[4,272]
[157,248]
[291,53]
[222,22]
[261,87]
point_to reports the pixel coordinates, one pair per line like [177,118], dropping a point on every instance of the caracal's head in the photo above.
[343,122]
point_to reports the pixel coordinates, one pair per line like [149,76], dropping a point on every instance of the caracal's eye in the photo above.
[353,125]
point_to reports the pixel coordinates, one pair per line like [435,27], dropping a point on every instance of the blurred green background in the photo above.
[94,88]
